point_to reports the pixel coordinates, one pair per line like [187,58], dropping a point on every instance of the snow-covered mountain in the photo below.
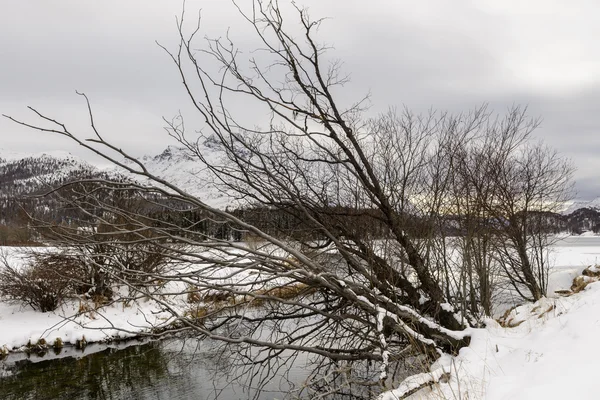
[23,175]
[26,174]
[181,168]
[575,205]
[32,173]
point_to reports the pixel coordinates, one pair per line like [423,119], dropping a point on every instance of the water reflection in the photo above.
[156,370]
[179,369]
[137,372]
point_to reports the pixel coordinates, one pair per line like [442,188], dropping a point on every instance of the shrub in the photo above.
[3,352]
[58,343]
[108,257]
[43,284]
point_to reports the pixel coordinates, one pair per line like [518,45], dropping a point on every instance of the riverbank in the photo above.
[77,321]
[545,350]
[499,347]
[137,311]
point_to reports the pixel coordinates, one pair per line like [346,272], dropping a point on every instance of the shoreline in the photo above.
[38,353]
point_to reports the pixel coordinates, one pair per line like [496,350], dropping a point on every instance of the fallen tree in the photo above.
[360,298]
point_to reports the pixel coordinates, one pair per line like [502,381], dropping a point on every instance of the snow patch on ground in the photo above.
[550,352]
[20,324]
[76,319]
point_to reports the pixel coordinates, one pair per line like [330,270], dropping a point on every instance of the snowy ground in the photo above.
[20,324]
[551,354]
[76,320]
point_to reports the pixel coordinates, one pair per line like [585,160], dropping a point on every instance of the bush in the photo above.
[105,255]
[101,264]
[43,284]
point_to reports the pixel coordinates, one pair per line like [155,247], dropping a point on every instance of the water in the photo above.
[177,369]
[172,369]
[578,241]
[575,252]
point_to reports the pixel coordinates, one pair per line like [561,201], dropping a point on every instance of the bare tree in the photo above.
[356,274]
[534,186]
[476,243]
[518,187]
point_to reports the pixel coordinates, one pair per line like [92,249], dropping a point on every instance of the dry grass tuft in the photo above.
[591,271]
[506,318]
[84,307]
[579,284]
[216,297]
[196,295]
[513,324]
[547,311]
[588,275]
[565,293]
[193,295]
[3,352]
[58,343]
[80,344]
[97,301]
[284,292]
[255,298]
[196,313]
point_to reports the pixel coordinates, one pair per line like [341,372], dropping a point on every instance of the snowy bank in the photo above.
[81,320]
[549,352]
[21,325]
[544,350]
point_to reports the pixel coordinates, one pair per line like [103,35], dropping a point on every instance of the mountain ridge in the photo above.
[20,171]
[23,174]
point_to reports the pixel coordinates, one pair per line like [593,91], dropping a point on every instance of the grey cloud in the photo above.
[446,55]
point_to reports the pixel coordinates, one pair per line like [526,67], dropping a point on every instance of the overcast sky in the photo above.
[448,55]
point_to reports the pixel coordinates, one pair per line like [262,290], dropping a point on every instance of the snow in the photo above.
[9,155]
[574,205]
[175,165]
[550,352]
[186,172]
[385,354]
[20,324]
[414,382]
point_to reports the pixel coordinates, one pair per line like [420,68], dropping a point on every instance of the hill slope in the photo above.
[24,175]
